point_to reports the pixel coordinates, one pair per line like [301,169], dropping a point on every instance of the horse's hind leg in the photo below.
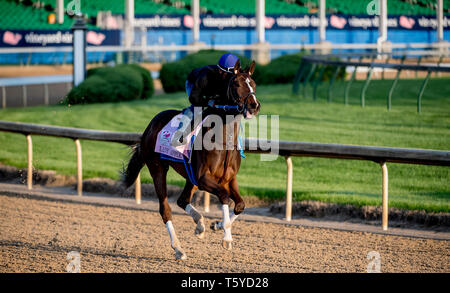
[184,202]
[158,170]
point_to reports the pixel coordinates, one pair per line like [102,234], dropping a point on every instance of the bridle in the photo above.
[239,106]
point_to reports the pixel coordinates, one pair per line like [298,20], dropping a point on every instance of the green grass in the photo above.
[417,187]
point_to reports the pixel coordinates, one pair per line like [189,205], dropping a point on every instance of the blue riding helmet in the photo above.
[227,62]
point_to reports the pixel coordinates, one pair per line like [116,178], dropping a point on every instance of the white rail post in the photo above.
[385,212]
[440,20]
[60,11]
[79,50]
[79,168]
[383,45]
[138,189]
[206,198]
[260,18]
[129,24]
[289,189]
[195,10]
[30,162]
[322,21]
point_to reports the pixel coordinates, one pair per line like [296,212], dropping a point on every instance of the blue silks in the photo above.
[189,87]
[241,149]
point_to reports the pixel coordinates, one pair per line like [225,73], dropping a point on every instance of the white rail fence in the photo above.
[288,149]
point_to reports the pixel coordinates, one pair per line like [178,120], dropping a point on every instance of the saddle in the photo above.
[181,153]
[163,142]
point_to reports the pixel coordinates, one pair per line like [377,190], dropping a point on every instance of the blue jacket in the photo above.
[207,82]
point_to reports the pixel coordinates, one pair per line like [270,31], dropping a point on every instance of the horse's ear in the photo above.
[237,66]
[252,68]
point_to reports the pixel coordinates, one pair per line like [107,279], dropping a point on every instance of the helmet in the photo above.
[227,62]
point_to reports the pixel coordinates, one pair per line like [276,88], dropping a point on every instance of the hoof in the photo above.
[227,244]
[215,226]
[179,254]
[200,229]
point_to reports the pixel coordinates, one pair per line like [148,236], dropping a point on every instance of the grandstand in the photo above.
[166,24]
[33,14]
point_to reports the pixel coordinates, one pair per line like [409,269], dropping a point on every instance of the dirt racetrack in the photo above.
[37,235]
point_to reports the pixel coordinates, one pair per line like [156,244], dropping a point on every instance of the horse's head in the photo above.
[241,90]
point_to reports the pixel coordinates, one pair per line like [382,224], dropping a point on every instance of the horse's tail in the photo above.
[134,166]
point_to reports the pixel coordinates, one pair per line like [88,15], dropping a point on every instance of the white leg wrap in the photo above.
[173,237]
[193,213]
[179,253]
[226,222]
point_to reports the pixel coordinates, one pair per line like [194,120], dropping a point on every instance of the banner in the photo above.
[54,38]
[292,22]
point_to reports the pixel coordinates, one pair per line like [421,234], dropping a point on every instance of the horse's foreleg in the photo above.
[239,205]
[184,202]
[174,242]
[210,185]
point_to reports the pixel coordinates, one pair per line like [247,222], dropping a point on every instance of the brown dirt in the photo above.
[37,70]
[36,236]
[12,174]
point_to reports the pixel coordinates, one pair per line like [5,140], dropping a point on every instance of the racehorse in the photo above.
[213,170]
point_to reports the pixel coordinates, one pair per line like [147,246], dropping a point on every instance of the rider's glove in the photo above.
[211,103]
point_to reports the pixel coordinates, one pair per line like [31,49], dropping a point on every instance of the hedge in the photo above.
[280,70]
[113,84]
[284,68]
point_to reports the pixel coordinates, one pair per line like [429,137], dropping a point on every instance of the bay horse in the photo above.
[214,170]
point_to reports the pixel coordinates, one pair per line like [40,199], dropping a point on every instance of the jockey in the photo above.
[202,86]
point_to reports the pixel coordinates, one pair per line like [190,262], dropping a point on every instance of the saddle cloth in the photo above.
[163,142]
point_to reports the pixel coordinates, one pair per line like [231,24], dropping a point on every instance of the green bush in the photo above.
[92,90]
[113,84]
[148,89]
[284,68]
[279,70]
[173,75]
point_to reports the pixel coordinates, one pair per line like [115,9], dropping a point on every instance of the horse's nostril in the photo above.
[253,105]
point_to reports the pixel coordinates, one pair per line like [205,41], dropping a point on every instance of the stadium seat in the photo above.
[16,15]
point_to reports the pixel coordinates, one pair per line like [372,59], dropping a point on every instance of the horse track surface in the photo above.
[37,235]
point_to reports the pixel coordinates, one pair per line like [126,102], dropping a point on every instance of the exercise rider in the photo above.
[202,86]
